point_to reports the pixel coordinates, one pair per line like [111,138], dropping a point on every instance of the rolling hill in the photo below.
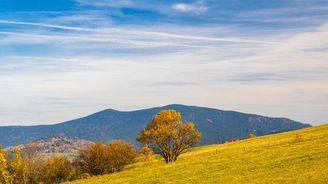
[55,145]
[216,126]
[292,157]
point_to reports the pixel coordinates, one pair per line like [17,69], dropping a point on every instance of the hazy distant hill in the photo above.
[55,144]
[216,125]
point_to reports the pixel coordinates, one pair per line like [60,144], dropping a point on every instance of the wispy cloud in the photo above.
[65,66]
[139,32]
[45,25]
[196,7]
[110,3]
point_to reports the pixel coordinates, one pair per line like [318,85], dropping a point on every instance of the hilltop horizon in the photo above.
[140,109]
[216,125]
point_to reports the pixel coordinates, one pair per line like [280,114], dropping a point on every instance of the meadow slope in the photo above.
[299,156]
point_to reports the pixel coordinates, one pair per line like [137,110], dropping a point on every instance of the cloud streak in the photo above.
[45,25]
[138,32]
[196,7]
[109,3]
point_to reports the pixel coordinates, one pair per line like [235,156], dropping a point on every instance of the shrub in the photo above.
[146,152]
[18,168]
[105,158]
[232,140]
[56,170]
[93,160]
[27,166]
[34,163]
[121,153]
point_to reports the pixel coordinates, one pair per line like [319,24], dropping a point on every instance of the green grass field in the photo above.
[293,157]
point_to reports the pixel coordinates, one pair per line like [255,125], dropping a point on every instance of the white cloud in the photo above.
[45,25]
[133,32]
[196,7]
[110,3]
[277,73]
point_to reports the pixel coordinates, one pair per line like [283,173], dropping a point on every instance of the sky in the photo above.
[64,59]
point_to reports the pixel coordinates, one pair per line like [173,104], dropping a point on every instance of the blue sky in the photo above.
[63,59]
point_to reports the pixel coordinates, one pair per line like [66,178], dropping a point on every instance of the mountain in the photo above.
[216,125]
[54,144]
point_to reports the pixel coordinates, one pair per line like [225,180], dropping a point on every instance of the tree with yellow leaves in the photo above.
[168,134]
[18,168]
[5,177]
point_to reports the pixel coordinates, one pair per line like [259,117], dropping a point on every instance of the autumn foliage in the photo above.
[106,158]
[146,152]
[56,170]
[121,154]
[4,173]
[18,167]
[169,135]
[29,167]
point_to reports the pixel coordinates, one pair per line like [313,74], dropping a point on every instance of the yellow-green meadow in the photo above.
[299,156]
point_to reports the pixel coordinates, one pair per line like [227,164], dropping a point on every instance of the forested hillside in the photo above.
[217,126]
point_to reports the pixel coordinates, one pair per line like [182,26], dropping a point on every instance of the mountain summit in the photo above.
[215,125]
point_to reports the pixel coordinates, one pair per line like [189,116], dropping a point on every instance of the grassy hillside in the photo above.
[293,157]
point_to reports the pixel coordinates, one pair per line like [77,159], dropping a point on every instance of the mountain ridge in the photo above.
[216,125]
[131,111]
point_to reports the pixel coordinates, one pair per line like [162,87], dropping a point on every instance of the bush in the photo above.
[146,152]
[120,154]
[34,163]
[105,158]
[251,136]
[18,167]
[56,170]
[93,159]
[232,140]
[27,166]
[35,167]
